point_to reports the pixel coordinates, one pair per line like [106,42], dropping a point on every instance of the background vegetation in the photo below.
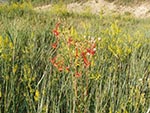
[128,2]
[117,79]
[42,2]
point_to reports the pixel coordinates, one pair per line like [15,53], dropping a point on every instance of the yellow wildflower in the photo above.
[36,96]
[15,69]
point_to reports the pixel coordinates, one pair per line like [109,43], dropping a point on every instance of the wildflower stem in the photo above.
[41,79]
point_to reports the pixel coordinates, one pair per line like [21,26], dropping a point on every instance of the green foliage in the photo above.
[15,9]
[114,80]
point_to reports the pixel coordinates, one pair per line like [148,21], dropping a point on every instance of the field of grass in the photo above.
[63,62]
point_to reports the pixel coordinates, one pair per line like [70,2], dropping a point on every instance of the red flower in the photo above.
[83,54]
[77,74]
[53,60]
[68,68]
[55,65]
[56,33]
[70,41]
[77,52]
[58,65]
[60,68]
[93,45]
[54,45]
[57,25]
[86,62]
[91,51]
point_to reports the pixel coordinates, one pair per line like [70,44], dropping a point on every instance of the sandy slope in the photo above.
[95,6]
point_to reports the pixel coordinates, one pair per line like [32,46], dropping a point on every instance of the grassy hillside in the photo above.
[128,2]
[44,2]
[122,2]
[62,62]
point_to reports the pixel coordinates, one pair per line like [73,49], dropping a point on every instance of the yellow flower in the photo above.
[111,50]
[92,63]
[1,39]
[142,99]
[125,111]
[119,51]
[110,110]
[4,56]
[95,76]
[11,45]
[36,96]
[15,69]
[5,42]
[0,94]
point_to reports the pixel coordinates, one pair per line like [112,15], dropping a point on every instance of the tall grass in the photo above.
[44,2]
[114,79]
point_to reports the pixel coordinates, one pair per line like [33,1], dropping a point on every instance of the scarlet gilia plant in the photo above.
[56,34]
[70,41]
[92,49]
[72,54]
[55,31]
[54,45]
[86,62]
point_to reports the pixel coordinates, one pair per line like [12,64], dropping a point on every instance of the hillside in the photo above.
[140,10]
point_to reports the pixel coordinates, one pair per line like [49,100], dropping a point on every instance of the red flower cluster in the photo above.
[81,53]
[77,74]
[58,65]
[86,62]
[54,45]
[70,41]
[91,50]
[55,31]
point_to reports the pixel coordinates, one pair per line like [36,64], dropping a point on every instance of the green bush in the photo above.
[15,10]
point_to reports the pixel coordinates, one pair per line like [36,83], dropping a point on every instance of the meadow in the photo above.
[58,61]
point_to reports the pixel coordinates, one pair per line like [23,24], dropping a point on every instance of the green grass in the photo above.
[44,2]
[116,81]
